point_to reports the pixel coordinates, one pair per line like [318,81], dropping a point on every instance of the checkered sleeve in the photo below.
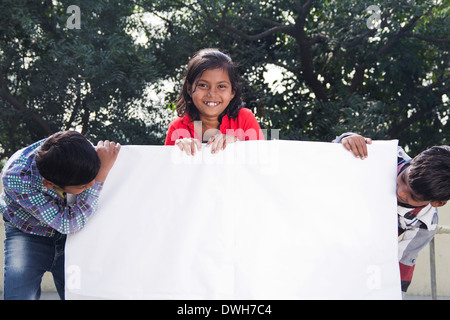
[338,139]
[47,209]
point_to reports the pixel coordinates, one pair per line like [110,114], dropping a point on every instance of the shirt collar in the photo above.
[425,215]
[60,192]
[187,121]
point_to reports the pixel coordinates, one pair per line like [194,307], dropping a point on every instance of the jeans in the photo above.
[27,258]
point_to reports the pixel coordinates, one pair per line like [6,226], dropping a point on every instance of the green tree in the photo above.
[342,71]
[339,73]
[56,77]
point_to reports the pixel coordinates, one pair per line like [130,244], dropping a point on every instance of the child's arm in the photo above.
[355,143]
[27,199]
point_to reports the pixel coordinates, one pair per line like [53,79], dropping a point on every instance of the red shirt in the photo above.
[244,127]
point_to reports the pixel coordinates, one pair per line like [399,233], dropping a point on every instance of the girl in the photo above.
[210,108]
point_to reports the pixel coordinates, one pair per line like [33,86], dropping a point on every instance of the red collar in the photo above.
[187,121]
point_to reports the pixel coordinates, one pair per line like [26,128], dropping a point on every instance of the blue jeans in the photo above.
[27,258]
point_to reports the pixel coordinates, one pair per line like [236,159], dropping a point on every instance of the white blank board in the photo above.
[260,220]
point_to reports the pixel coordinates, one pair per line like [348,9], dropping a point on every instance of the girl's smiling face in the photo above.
[211,93]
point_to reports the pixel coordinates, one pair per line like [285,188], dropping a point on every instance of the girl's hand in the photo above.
[220,141]
[357,144]
[189,145]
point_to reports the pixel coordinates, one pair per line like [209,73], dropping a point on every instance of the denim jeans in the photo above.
[27,258]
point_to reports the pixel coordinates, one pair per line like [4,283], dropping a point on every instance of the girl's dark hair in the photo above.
[429,175]
[68,159]
[208,59]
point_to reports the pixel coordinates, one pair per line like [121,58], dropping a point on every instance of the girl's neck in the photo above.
[210,124]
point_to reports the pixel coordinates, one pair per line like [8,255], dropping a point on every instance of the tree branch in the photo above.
[268,22]
[425,38]
[85,119]
[306,57]
[360,67]
[402,32]
[259,36]
[358,77]
[76,107]
[395,129]
[295,71]
[6,94]
[296,31]
[318,38]
[276,28]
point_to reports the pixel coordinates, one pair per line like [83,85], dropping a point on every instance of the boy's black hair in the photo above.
[429,175]
[209,59]
[68,159]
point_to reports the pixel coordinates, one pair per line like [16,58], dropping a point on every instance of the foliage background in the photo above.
[118,75]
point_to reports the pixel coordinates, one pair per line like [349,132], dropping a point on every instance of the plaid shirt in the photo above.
[33,208]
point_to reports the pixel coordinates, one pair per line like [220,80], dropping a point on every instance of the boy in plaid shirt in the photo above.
[50,189]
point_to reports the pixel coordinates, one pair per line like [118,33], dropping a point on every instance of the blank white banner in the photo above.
[261,220]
